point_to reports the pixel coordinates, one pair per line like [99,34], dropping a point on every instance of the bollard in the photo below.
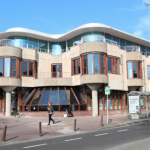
[101,121]
[4,133]
[40,130]
[75,125]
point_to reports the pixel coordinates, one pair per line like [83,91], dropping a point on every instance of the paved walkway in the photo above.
[27,128]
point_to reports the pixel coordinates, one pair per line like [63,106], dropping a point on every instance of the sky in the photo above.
[61,16]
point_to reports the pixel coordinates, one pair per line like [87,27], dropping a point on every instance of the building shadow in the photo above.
[11,138]
[45,133]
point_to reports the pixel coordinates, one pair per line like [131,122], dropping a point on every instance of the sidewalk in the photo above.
[27,128]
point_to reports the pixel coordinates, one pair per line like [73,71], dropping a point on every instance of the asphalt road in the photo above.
[97,140]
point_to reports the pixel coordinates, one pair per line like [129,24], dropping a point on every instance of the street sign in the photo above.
[107,90]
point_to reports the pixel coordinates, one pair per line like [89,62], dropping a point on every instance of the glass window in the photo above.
[54,96]
[148,72]
[116,39]
[96,63]
[78,65]
[84,65]
[135,70]
[33,43]
[90,63]
[108,38]
[37,97]
[73,66]
[102,64]
[63,96]
[117,64]
[21,41]
[18,73]
[109,64]
[13,67]
[130,71]
[7,67]
[30,68]
[77,39]
[45,97]
[43,44]
[54,71]
[1,67]
[122,43]
[139,63]
[115,98]
[24,68]
[59,70]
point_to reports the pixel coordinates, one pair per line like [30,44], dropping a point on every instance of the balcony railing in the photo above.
[47,75]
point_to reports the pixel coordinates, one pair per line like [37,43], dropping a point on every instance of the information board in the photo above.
[134,104]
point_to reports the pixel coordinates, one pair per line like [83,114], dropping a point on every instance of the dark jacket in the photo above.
[50,109]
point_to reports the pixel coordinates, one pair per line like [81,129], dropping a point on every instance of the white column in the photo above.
[95,102]
[8,103]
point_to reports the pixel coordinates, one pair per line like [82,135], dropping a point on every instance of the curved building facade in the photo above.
[71,70]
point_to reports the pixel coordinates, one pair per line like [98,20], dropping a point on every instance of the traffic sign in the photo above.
[107,90]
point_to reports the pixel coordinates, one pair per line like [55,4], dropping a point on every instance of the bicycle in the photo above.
[16,113]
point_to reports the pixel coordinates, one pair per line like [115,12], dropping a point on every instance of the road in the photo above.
[127,137]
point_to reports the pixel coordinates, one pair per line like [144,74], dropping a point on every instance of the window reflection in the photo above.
[7,67]
[135,69]
[96,63]
[13,67]
[1,67]
[90,63]
[30,68]
[102,64]
[24,68]
[109,64]
[130,75]
[148,72]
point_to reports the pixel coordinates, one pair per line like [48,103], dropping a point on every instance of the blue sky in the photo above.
[61,16]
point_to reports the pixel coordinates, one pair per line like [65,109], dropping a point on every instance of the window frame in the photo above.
[100,67]
[74,66]
[56,64]
[139,65]
[33,66]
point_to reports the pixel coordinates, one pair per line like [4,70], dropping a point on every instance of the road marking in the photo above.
[35,145]
[101,134]
[123,130]
[73,139]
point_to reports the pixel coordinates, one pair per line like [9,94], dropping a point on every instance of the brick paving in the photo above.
[27,128]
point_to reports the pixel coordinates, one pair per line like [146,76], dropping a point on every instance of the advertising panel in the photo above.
[134,104]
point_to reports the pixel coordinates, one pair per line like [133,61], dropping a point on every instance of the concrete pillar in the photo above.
[8,103]
[8,90]
[95,104]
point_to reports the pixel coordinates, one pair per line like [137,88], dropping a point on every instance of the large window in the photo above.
[134,70]
[1,67]
[56,70]
[113,65]
[94,63]
[76,66]
[27,68]
[148,69]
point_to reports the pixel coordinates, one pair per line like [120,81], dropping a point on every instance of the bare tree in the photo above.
[147,2]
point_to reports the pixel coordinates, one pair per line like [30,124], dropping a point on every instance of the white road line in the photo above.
[73,139]
[123,130]
[101,134]
[35,145]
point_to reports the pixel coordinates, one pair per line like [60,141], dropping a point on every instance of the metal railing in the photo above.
[10,42]
[132,48]
[47,75]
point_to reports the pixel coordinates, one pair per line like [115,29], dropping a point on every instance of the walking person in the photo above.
[50,112]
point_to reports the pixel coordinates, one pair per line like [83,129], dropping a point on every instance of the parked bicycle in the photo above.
[15,112]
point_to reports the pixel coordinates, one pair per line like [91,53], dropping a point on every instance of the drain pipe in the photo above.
[122,71]
[144,74]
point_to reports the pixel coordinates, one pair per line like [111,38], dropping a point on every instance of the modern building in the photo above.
[71,70]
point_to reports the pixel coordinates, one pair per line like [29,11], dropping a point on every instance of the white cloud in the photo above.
[143,27]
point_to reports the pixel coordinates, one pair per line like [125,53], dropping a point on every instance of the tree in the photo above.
[147,2]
